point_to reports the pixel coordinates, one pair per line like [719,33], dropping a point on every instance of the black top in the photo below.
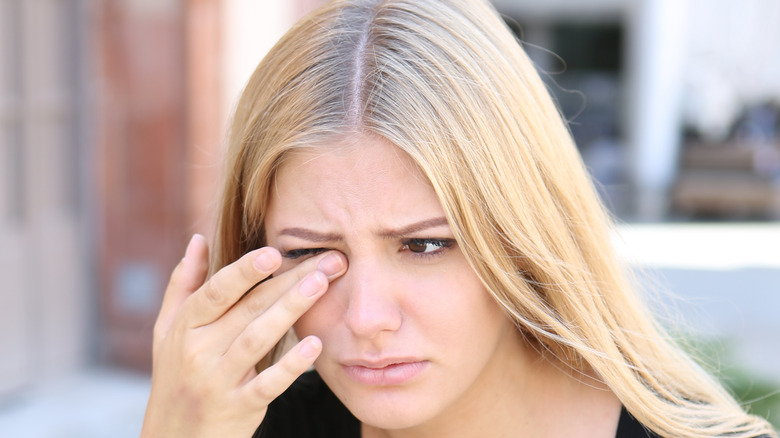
[308,409]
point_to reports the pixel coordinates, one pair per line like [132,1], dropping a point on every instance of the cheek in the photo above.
[449,304]
[461,307]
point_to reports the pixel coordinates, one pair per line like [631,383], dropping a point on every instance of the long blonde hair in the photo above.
[445,81]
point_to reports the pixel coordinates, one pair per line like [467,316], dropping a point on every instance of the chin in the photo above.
[391,408]
[391,415]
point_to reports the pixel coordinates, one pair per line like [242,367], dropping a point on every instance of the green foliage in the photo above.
[759,395]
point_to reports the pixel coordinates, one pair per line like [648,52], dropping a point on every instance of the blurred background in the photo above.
[113,116]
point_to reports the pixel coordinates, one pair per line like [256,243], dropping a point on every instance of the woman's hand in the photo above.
[207,341]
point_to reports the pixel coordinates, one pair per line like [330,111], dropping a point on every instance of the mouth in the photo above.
[385,373]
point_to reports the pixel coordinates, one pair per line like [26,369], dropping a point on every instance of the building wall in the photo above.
[113,116]
[169,74]
[45,298]
[112,121]
[141,156]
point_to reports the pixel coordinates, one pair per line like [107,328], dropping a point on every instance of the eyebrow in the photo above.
[413,228]
[310,235]
[317,237]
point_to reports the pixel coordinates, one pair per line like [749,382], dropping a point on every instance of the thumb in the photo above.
[186,278]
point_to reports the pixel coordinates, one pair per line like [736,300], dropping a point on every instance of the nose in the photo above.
[373,306]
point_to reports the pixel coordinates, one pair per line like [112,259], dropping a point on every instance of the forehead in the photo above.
[350,153]
[357,181]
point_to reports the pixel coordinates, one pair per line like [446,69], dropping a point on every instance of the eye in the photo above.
[427,246]
[302,252]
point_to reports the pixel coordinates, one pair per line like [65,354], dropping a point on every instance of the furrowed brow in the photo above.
[311,235]
[413,228]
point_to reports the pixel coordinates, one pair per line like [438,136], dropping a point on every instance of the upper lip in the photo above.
[379,362]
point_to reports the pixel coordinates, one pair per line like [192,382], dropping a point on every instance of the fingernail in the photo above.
[331,265]
[312,284]
[265,261]
[311,348]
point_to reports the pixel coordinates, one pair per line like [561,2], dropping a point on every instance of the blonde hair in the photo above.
[446,82]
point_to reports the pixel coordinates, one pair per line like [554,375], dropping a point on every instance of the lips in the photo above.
[386,372]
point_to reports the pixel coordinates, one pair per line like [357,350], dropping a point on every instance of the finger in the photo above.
[274,380]
[333,264]
[186,278]
[230,326]
[264,332]
[227,286]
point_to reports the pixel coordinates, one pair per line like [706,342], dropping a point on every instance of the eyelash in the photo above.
[298,253]
[442,244]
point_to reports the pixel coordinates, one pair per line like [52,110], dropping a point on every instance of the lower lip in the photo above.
[390,375]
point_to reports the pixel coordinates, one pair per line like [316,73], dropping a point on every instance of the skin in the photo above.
[412,342]
[207,342]
[356,298]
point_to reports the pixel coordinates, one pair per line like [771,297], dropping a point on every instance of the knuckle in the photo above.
[263,390]
[197,393]
[195,356]
[251,343]
[256,304]
[214,291]
[291,367]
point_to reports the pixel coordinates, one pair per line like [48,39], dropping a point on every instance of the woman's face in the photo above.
[410,336]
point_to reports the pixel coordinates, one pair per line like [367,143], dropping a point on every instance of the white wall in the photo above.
[687,62]
[656,44]
[250,29]
[733,59]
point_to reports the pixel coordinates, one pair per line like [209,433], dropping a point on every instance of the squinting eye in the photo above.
[427,246]
[298,253]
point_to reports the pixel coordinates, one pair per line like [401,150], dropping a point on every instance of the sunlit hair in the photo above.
[447,82]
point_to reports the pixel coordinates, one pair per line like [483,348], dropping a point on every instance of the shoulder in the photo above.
[629,427]
[308,409]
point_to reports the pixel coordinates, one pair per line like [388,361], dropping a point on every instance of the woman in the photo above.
[402,191]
